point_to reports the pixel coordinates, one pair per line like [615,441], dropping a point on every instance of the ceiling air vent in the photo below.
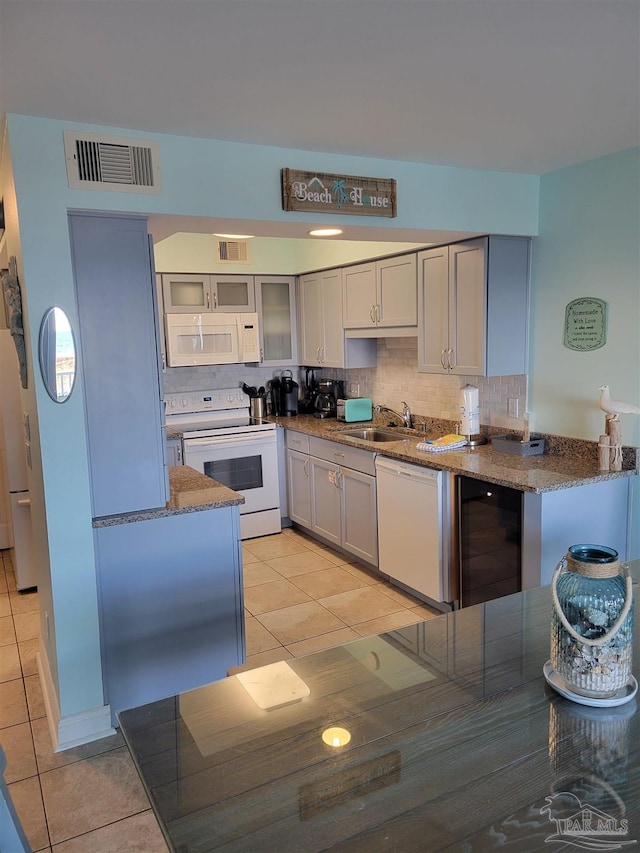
[233,251]
[112,163]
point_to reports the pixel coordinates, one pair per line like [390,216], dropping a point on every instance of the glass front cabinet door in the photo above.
[276,307]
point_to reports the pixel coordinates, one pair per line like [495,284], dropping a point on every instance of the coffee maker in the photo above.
[288,394]
[329,392]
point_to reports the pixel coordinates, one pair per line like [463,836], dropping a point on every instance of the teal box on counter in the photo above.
[356,409]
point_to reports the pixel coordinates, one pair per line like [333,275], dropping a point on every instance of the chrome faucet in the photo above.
[405,417]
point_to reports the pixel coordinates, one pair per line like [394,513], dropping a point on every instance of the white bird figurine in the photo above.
[614,408]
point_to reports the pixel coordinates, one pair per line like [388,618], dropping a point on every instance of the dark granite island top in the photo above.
[456,743]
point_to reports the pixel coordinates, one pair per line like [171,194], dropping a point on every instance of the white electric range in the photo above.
[222,441]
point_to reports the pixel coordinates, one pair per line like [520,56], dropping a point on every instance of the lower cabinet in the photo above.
[332,492]
[171,604]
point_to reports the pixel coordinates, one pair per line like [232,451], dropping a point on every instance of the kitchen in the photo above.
[108,403]
[392,376]
[569,262]
[497,410]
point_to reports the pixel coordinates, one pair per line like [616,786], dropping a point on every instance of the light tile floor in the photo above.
[300,597]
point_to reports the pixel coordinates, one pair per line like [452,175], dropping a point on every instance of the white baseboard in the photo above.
[74,729]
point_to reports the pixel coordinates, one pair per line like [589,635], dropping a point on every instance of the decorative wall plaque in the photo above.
[319,192]
[585,324]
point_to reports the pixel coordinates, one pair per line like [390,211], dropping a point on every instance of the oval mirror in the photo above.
[57,352]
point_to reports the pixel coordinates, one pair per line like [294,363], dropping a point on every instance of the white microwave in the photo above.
[217,338]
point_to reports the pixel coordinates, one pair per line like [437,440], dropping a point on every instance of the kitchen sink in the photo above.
[373,434]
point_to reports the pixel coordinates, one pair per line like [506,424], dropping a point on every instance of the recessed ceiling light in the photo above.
[235,236]
[325,232]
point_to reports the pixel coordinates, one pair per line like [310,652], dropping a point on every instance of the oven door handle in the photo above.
[219,441]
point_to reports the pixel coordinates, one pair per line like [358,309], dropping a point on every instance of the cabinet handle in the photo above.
[306,467]
[337,479]
[450,359]
[338,455]
[372,313]
[322,354]
[179,454]
[442,361]
[208,301]
[215,299]
[378,314]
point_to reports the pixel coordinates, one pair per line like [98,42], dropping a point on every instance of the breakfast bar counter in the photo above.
[439,736]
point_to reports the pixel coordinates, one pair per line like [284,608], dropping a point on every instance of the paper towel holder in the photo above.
[469,424]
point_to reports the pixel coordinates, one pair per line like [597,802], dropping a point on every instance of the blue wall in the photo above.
[588,245]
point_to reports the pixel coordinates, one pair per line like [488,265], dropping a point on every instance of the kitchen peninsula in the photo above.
[170,592]
[563,495]
[450,739]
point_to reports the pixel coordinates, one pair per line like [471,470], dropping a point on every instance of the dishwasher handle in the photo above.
[403,469]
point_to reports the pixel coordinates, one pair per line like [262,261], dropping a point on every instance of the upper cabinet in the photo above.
[191,293]
[322,336]
[473,307]
[277,320]
[380,298]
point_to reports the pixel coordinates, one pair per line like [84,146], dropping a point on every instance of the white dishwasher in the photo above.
[413,539]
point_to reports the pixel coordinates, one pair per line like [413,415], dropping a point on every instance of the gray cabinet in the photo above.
[171,604]
[275,298]
[332,492]
[120,362]
[381,297]
[322,336]
[473,307]
[196,292]
[298,478]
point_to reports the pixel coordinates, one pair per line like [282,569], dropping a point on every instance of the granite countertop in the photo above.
[190,491]
[456,743]
[572,462]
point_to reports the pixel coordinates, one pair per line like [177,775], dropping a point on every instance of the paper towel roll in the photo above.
[469,410]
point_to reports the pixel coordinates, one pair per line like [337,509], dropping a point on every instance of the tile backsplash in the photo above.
[396,378]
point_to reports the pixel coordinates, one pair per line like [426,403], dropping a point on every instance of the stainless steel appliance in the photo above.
[329,391]
[221,440]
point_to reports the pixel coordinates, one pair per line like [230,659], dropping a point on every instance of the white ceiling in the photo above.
[513,85]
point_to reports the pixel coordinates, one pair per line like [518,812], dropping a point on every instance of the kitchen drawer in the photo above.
[296,441]
[340,454]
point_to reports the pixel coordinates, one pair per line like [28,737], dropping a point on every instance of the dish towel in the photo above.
[447,442]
